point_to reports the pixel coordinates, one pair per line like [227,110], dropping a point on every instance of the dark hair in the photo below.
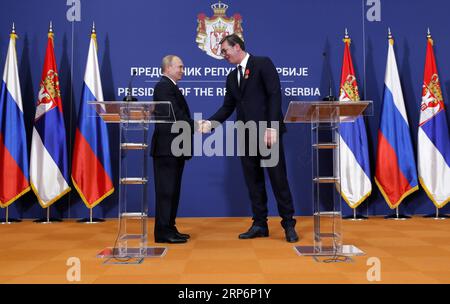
[232,40]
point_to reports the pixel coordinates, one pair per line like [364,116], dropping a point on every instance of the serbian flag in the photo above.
[433,135]
[354,156]
[91,165]
[48,162]
[13,143]
[395,173]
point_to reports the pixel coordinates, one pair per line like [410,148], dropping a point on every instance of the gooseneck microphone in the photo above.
[330,96]
[129,96]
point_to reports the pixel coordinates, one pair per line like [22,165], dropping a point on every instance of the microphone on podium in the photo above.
[130,97]
[330,96]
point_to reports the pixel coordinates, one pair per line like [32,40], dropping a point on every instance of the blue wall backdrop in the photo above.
[295,34]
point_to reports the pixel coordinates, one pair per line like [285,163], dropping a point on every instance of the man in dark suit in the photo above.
[168,167]
[254,90]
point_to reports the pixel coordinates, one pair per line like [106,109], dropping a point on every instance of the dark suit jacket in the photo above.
[259,99]
[166,90]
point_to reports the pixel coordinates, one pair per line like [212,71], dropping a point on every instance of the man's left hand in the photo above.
[270,137]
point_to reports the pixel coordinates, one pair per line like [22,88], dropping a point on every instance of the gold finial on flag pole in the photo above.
[429,36]
[346,37]
[13,34]
[94,34]
[50,30]
[390,37]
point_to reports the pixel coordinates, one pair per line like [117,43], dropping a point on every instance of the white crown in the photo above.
[219,8]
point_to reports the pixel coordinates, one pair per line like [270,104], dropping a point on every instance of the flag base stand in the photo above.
[48,219]
[397,216]
[437,216]
[358,217]
[9,221]
[91,220]
[355,217]
[130,255]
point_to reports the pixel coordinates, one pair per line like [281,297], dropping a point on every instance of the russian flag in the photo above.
[396,173]
[433,135]
[354,155]
[13,143]
[48,162]
[91,164]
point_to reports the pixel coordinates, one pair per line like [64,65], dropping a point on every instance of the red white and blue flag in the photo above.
[48,162]
[13,143]
[91,165]
[354,155]
[433,135]
[396,173]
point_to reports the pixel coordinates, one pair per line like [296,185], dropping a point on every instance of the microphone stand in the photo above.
[330,96]
[130,97]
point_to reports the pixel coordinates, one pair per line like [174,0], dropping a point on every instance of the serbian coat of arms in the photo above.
[48,92]
[211,30]
[432,101]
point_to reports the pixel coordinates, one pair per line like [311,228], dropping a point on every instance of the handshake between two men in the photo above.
[252,89]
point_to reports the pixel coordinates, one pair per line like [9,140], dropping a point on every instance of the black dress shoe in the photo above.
[183,235]
[171,240]
[254,232]
[291,235]
[179,234]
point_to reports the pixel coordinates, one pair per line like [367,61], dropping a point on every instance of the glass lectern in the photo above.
[325,118]
[130,246]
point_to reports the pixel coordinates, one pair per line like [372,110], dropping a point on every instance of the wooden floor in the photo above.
[413,251]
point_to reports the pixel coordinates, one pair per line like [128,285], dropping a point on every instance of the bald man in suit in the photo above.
[168,168]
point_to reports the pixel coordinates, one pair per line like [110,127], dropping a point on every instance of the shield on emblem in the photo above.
[432,101]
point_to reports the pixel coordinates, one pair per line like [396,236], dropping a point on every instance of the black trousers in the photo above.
[255,180]
[168,172]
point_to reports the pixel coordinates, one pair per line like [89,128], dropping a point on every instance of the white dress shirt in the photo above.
[243,65]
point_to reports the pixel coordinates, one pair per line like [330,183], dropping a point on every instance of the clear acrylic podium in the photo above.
[325,118]
[130,246]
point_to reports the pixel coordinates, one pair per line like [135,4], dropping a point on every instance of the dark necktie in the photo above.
[241,75]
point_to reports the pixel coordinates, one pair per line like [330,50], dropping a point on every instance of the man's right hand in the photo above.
[204,126]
